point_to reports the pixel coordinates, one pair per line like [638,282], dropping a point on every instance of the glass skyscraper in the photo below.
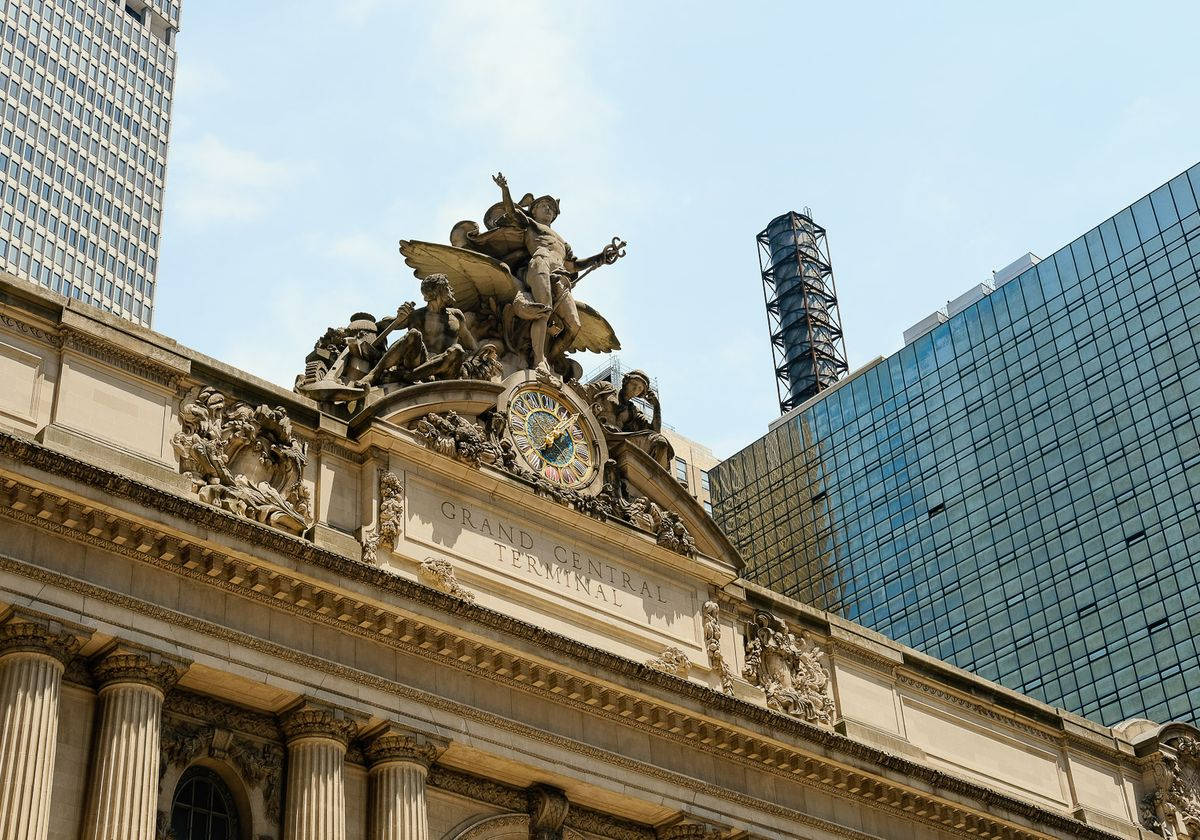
[86,88]
[1016,490]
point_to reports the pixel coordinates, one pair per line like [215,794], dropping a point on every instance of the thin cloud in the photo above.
[517,69]
[216,183]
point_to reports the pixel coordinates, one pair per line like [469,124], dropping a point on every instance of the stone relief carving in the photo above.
[1173,807]
[788,670]
[243,459]
[391,516]
[712,644]
[451,434]
[480,444]
[671,661]
[440,573]
[259,764]
[181,743]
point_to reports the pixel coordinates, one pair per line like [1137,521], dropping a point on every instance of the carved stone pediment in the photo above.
[243,459]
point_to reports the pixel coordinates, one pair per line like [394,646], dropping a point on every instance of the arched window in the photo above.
[203,808]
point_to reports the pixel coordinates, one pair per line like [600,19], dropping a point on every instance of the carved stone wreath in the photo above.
[244,459]
[788,670]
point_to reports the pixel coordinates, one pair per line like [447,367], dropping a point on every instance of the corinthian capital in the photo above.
[23,630]
[391,743]
[686,829]
[126,663]
[314,720]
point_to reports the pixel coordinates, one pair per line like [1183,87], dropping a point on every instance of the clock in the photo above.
[550,436]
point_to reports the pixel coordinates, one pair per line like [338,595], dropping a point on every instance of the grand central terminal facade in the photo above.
[443,590]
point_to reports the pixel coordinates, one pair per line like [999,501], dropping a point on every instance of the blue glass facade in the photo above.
[1017,491]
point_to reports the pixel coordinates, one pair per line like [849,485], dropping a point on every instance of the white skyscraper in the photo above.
[86,87]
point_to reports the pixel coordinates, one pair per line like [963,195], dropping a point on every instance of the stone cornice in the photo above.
[28,631]
[128,664]
[774,754]
[118,357]
[29,330]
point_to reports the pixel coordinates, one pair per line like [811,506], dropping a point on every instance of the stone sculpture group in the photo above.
[496,301]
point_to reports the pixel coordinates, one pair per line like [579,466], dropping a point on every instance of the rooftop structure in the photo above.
[807,344]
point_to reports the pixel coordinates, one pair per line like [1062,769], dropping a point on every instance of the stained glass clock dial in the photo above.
[550,437]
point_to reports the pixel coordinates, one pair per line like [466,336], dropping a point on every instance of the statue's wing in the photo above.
[505,243]
[472,275]
[595,333]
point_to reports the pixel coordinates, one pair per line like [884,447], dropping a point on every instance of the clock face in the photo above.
[550,437]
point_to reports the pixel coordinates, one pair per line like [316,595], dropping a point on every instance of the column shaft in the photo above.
[316,792]
[29,693]
[398,809]
[124,786]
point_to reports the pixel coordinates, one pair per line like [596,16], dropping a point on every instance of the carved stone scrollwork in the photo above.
[244,459]
[440,573]
[788,670]
[712,645]
[182,743]
[548,807]
[671,661]
[1173,807]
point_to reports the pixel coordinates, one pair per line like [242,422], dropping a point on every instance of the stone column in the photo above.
[123,791]
[34,650]
[399,764]
[316,786]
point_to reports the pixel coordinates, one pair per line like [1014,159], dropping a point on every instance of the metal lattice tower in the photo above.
[807,344]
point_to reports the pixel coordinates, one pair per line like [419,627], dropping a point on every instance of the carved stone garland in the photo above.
[1173,807]
[244,459]
[391,516]
[455,436]
[712,644]
[788,670]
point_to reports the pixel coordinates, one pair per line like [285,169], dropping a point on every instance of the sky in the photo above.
[936,142]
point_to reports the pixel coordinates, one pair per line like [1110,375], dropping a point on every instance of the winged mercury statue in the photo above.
[498,301]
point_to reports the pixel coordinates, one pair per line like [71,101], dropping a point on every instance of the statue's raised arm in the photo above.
[514,213]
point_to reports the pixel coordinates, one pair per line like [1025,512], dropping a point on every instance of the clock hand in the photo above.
[557,431]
